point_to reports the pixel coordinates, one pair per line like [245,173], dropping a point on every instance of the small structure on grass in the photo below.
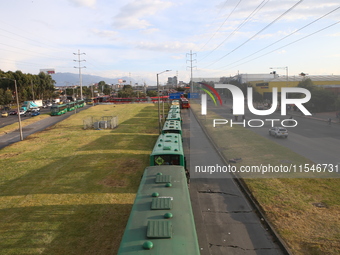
[103,122]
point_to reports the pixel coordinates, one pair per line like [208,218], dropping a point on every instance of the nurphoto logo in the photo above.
[238,104]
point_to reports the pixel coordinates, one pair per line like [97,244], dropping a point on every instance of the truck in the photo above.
[27,105]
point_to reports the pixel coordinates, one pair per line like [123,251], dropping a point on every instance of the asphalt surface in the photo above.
[14,136]
[313,137]
[225,222]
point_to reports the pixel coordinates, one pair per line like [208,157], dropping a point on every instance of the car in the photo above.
[278,132]
[35,113]
[35,109]
[13,112]
[22,112]
[4,114]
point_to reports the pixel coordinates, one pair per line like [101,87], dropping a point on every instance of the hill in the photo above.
[69,79]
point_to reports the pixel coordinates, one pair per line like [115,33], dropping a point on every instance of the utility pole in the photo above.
[191,60]
[80,79]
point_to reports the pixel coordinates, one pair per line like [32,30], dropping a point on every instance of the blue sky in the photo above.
[140,38]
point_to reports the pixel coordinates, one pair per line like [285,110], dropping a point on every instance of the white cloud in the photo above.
[109,34]
[86,3]
[134,15]
[169,46]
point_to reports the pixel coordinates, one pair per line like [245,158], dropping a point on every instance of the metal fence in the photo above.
[104,122]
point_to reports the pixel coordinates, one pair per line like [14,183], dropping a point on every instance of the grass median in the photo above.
[66,190]
[304,211]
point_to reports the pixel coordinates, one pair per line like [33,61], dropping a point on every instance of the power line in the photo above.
[286,36]
[246,20]
[221,25]
[290,43]
[271,23]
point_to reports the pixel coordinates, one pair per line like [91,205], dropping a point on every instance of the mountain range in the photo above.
[70,79]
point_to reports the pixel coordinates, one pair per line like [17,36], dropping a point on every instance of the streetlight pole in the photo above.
[18,107]
[159,111]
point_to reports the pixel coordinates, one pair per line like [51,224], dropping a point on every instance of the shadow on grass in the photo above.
[58,229]
[100,173]
[78,203]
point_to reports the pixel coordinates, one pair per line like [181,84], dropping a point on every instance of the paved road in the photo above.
[226,223]
[14,118]
[14,136]
[312,138]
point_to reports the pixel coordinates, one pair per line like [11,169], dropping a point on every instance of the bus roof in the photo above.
[173,116]
[172,125]
[168,144]
[148,219]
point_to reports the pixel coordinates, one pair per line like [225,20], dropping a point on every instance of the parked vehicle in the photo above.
[4,114]
[278,132]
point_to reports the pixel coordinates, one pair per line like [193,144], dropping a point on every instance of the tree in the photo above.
[8,97]
[127,91]
[151,93]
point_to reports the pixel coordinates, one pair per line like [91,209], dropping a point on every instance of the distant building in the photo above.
[172,82]
[263,83]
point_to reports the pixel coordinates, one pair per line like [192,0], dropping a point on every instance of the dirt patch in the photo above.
[8,155]
[128,166]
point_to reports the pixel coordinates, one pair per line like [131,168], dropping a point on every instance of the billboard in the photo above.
[48,70]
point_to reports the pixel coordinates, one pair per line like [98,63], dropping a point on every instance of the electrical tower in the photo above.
[191,60]
[80,67]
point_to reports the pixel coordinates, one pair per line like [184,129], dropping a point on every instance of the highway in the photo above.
[14,136]
[312,138]
[226,222]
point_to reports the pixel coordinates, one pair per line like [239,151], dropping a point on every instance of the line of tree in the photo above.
[321,99]
[30,86]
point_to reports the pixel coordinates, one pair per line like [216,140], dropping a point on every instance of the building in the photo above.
[263,83]
[172,82]
[264,86]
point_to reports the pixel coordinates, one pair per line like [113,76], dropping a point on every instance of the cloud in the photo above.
[110,34]
[166,46]
[135,14]
[86,3]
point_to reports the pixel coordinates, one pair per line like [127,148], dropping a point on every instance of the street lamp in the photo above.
[18,107]
[159,111]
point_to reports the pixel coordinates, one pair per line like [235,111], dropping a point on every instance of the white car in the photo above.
[22,112]
[278,132]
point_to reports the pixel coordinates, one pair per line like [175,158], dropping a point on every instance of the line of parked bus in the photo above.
[161,219]
[60,109]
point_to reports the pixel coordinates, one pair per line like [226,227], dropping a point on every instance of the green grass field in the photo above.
[70,191]
[289,203]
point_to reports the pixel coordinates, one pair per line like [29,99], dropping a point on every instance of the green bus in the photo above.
[161,219]
[168,150]
[172,126]
[58,109]
[71,106]
[174,116]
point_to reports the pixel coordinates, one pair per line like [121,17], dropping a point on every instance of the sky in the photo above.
[143,38]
